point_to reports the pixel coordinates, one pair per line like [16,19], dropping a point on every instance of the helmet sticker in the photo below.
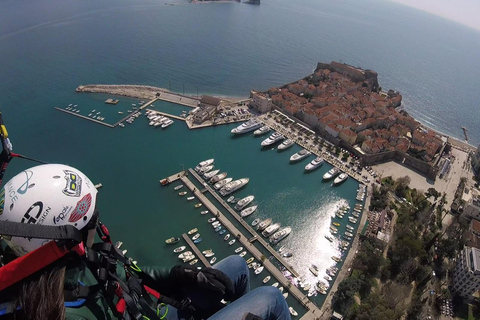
[26,185]
[81,209]
[36,214]
[65,212]
[73,187]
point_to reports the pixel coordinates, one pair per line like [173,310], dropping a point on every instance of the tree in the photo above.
[432,192]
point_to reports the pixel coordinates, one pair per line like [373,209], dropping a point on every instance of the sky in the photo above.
[466,12]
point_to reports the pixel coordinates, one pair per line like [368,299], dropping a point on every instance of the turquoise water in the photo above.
[48,48]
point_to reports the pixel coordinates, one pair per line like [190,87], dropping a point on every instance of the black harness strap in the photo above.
[30,230]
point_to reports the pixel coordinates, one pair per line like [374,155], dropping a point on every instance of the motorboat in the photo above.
[167,123]
[233,186]
[341,178]
[348,234]
[216,224]
[336,259]
[218,177]
[206,169]
[222,231]
[190,198]
[231,242]
[172,240]
[255,222]
[275,284]
[314,164]
[280,235]
[185,254]
[248,126]
[275,137]
[287,255]
[286,144]
[235,200]
[261,130]
[211,220]
[182,193]
[285,295]
[179,249]
[230,199]
[352,219]
[178,187]
[204,252]
[193,262]
[198,205]
[204,163]
[327,277]
[329,237]
[336,224]
[213,260]
[331,173]
[193,231]
[307,287]
[314,270]
[300,155]
[250,260]
[238,249]
[266,279]
[226,237]
[271,229]
[196,236]
[221,183]
[242,203]
[218,228]
[264,224]
[292,311]
[259,269]
[210,174]
[242,254]
[355,214]
[197,240]
[189,258]
[248,211]
[204,212]
[349,227]
[208,254]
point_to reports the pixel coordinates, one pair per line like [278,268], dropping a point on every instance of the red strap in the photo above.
[154,293]
[33,261]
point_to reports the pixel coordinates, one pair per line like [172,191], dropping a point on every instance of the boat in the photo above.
[331,173]
[231,242]
[120,112]
[167,123]
[248,126]
[218,177]
[266,279]
[242,203]
[292,311]
[339,214]
[216,224]
[179,249]
[355,214]
[185,254]
[337,224]
[285,295]
[250,260]
[275,285]
[204,163]
[213,260]
[329,237]
[121,124]
[341,178]
[258,270]
[307,287]
[252,265]
[300,155]
[172,240]
[211,220]
[349,227]
[218,228]
[182,193]
[280,235]
[271,229]
[314,164]
[348,234]
[222,231]
[255,222]
[226,237]
[264,224]
[352,219]
[204,212]
[193,231]
[196,236]
[313,269]
[286,144]
[235,200]
[190,198]
[347,238]
[261,130]
[205,169]
[189,258]
[221,183]
[287,255]
[209,254]
[198,205]
[238,249]
[242,254]
[272,139]
[332,228]
[193,262]
[204,252]
[233,186]
[197,240]
[327,277]
[210,174]
[248,211]
[337,259]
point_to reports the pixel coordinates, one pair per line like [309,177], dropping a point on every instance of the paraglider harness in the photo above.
[133,299]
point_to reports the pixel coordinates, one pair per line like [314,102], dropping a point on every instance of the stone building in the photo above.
[476,161]
[261,101]
[466,275]
[471,209]
[206,109]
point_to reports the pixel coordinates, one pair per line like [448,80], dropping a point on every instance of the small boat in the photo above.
[281,289]
[281,249]
[327,277]
[300,155]
[198,205]
[349,227]
[179,249]
[285,295]
[267,278]
[314,164]
[272,139]
[280,235]
[211,174]
[216,224]
[307,287]
[255,222]
[178,187]
[271,229]
[285,144]
[193,262]
[190,198]
[216,178]
[258,270]
[287,255]
[213,260]
[348,234]
[248,211]
[292,311]
[193,231]
[221,183]
[206,169]
[355,214]
[222,231]
[275,285]
[313,269]
[238,249]
[196,236]
[218,228]
[242,203]
[242,254]
[204,212]
[197,240]
[341,178]
[226,237]
[182,193]
[231,242]
[209,254]
[329,237]
[235,200]
[230,199]
[189,258]
[250,260]
[336,259]
[264,224]
[172,240]
[352,219]
[204,164]
[120,112]
[185,254]
[204,252]
[167,123]
[211,220]
[336,224]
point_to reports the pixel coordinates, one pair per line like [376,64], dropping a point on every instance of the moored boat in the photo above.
[172,240]
[208,174]
[238,249]
[204,163]
[248,211]
[285,144]
[255,222]
[271,229]
[179,249]
[331,173]
[182,193]
[314,164]
[192,231]
[292,311]
[259,269]
[266,279]
[264,224]
[178,187]
[279,235]
[233,186]
[261,130]
[341,178]
[300,155]
[204,212]
[221,183]
[213,260]
[218,177]
[275,137]
[248,126]
[242,203]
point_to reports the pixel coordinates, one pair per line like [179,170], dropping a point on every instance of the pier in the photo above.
[84,117]
[131,114]
[195,250]
[313,311]
[166,114]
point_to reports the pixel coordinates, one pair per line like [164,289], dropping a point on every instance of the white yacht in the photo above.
[271,229]
[167,123]
[205,169]
[272,139]
[331,173]
[248,126]
[210,174]
[221,183]
[342,177]
[279,235]
[314,164]
[286,144]
[218,177]
[264,224]
[248,211]
[204,163]
[261,131]
[233,186]
[242,203]
[300,155]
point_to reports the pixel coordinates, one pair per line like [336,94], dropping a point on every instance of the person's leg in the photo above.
[266,302]
[236,269]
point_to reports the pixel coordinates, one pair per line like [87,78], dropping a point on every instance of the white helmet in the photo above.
[51,194]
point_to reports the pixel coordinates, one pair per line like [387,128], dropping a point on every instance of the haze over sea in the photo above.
[48,48]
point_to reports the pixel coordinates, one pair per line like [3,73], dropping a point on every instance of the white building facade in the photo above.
[260,101]
[466,276]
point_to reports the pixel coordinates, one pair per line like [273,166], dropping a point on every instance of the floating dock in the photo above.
[111,101]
